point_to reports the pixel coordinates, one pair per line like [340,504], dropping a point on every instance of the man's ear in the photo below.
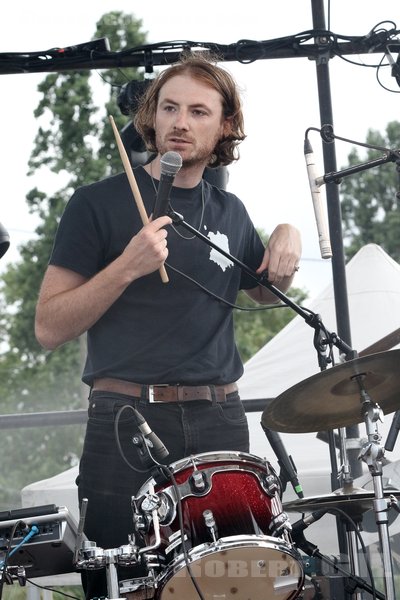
[227,127]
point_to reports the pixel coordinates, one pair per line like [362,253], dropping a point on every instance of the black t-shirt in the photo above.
[162,332]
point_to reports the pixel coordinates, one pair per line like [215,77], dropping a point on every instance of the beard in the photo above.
[200,155]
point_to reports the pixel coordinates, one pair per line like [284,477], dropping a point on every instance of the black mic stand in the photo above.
[337,176]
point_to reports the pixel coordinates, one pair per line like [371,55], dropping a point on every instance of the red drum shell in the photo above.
[243,494]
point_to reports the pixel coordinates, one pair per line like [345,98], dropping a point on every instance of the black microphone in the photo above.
[393,432]
[158,448]
[320,216]
[298,535]
[284,460]
[302,524]
[170,164]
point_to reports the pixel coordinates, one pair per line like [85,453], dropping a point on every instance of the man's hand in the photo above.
[282,254]
[147,251]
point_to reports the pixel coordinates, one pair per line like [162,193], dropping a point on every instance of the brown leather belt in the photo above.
[165,393]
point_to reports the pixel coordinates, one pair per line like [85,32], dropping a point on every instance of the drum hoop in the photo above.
[228,543]
[223,456]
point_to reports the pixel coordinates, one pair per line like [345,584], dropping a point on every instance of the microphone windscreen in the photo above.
[170,163]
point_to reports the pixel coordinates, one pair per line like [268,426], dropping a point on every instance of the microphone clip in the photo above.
[327,134]
[143,449]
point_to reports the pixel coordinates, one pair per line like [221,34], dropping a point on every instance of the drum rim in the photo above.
[232,543]
[204,457]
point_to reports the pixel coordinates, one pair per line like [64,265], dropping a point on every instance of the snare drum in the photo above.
[237,546]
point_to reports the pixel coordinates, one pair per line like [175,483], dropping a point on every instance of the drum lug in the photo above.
[210,523]
[271,485]
[199,482]
[280,522]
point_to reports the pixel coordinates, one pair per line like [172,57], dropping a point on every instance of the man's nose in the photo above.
[181,120]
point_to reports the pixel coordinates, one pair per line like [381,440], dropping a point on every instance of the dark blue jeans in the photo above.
[109,483]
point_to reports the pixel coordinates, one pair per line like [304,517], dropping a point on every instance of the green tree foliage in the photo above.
[255,325]
[76,142]
[371,203]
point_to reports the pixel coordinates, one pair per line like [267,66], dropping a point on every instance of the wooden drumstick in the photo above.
[134,187]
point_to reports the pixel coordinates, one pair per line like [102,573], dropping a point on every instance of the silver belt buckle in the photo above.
[152,400]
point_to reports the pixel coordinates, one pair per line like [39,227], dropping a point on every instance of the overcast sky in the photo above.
[280,99]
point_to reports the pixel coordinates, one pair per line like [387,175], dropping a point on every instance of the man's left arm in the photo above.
[281,261]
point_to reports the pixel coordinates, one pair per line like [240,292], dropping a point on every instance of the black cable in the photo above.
[118,441]
[245,51]
[358,64]
[167,472]
[7,554]
[355,142]
[170,475]
[347,517]
[222,300]
[50,589]
[380,82]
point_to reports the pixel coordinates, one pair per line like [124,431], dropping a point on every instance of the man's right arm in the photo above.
[69,303]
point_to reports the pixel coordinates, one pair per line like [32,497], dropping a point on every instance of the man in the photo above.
[147,340]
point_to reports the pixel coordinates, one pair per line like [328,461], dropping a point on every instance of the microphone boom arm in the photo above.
[336,176]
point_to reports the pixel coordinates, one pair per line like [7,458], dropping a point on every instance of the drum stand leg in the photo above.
[353,556]
[372,454]
[112,575]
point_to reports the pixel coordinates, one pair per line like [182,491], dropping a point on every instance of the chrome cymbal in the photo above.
[331,399]
[352,500]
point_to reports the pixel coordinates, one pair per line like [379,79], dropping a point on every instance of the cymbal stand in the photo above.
[351,535]
[372,453]
[345,471]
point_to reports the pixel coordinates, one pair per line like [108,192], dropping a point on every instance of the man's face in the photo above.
[189,119]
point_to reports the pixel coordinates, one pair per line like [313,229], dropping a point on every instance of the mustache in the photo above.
[174,135]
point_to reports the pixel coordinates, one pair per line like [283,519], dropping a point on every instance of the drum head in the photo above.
[239,567]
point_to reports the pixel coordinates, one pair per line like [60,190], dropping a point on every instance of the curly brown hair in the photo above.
[203,68]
